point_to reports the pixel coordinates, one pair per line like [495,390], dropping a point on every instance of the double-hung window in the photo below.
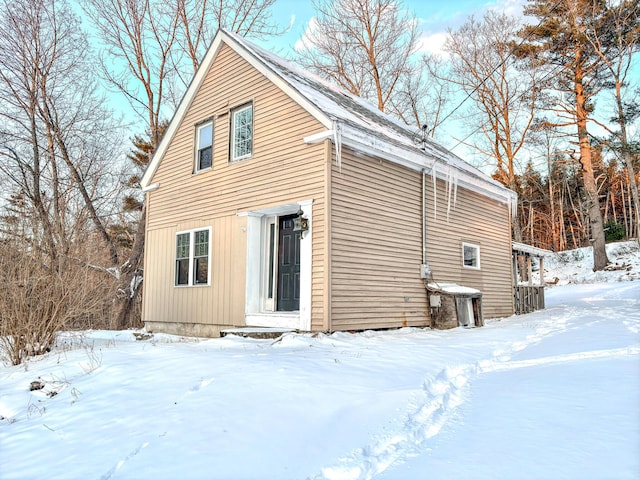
[241,141]
[470,256]
[193,257]
[204,145]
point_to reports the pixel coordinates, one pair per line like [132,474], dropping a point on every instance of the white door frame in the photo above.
[259,310]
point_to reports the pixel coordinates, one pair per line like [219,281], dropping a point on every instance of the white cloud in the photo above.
[435,27]
[432,43]
[292,21]
[305,42]
[509,7]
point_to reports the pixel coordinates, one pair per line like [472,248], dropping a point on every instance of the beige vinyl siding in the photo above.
[477,220]
[211,306]
[375,245]
[282,170]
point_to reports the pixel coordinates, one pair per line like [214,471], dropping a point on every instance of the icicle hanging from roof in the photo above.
[435,191]
[337,141]
[455,189]
[451,179]
[449,191]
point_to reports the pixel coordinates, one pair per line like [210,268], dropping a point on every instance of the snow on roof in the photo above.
[366,126]
[453,289]
[348,118]
[530,249]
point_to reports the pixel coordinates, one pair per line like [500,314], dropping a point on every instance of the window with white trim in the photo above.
[193,257]
[204,146]
[241,141]
[470,256]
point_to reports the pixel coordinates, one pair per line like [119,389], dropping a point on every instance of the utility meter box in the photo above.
[435,301]
[425,271]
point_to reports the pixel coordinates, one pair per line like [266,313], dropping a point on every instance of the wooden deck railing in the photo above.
[528,298]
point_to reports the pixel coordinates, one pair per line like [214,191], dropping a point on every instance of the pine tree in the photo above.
[560,41]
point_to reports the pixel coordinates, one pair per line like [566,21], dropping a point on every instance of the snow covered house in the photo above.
[278,200]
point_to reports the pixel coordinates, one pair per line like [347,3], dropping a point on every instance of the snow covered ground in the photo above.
[552,394]
[576,266]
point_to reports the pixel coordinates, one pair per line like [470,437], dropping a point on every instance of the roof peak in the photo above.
[362,124]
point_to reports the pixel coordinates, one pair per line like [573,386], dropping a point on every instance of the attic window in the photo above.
[204,145]
[470,256]
[241,142]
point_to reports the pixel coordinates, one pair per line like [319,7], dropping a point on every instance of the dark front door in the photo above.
[288,283]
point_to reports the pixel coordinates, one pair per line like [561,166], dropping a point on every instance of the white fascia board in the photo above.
[319,137]
[420,162]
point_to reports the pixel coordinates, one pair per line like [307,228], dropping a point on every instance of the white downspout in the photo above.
[424,218]
[425,270]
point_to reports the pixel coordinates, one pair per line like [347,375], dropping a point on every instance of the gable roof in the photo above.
[348,119]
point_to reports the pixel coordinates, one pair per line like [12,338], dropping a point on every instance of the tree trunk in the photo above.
[131,277]
[37,191]
[628,227]
[562,231]
[596,225]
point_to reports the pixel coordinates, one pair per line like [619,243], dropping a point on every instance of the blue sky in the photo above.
[434,18]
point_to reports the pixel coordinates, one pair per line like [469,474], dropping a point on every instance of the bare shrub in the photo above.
[38,299]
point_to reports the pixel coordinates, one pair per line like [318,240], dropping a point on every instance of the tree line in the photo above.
[555,91]
[549,105]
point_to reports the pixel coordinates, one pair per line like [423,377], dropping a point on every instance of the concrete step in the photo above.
[256,332]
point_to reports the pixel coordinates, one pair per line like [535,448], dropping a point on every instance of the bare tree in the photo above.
[56,142]
[145,43]
[53,121]
[423,93]
[199,20]
[21,39]
[483,67]
[362,45]
[64,88]
[139,35]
